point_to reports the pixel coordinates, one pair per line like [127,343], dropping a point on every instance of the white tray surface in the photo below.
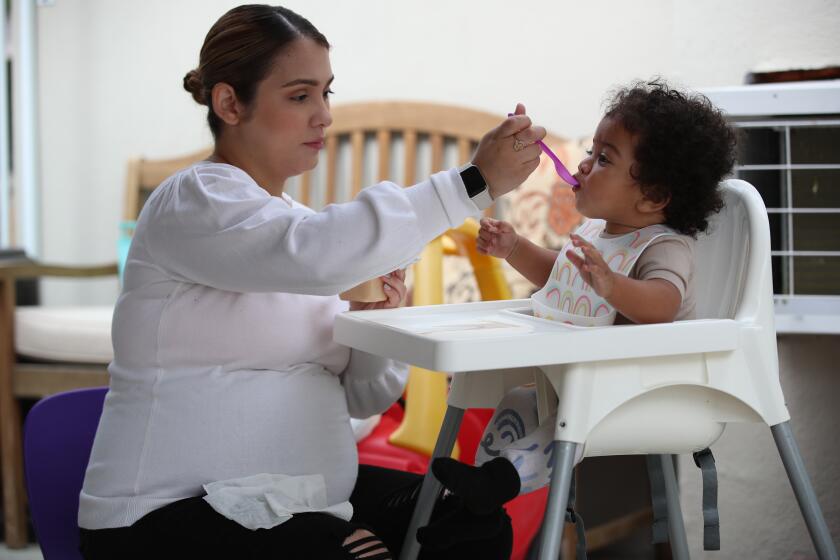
[503,334]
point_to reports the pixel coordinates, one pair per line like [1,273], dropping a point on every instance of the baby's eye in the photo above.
[589,152]
[603,159]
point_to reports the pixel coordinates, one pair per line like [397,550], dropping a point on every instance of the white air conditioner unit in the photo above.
[790,151]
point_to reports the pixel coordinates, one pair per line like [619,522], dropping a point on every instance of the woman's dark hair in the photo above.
[684,149]
[239,50]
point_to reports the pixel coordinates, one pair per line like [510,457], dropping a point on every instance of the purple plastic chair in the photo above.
[57,439]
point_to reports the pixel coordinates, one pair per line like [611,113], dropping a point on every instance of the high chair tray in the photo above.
[504,334]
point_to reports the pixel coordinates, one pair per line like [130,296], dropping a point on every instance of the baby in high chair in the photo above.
[647,188]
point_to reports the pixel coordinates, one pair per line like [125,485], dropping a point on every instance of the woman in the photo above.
[224,365]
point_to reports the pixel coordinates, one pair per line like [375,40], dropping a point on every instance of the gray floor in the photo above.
[30,553]
[635,547]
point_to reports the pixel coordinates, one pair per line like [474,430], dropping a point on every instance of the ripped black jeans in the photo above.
[383,501]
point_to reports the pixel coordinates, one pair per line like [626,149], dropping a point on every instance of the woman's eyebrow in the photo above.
[306,82]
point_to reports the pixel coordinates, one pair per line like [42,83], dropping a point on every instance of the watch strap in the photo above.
[476,186]
[483,200]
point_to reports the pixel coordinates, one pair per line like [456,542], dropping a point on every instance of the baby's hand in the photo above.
[593,268]
[395,290]
[496,238]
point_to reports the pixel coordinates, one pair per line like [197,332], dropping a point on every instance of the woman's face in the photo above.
[607,189]
[285,123]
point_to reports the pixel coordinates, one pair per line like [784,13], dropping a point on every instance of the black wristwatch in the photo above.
[476,186]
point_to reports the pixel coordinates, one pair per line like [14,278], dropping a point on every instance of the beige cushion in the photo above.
[65,334]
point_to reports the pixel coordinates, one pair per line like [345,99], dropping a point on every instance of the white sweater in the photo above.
[224,364]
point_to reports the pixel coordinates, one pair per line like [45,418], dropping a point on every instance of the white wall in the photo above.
[110,76]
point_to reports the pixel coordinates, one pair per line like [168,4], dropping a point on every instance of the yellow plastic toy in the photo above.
[426,390]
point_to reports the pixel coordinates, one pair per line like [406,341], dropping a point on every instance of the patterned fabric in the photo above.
[567,298]
[515,433]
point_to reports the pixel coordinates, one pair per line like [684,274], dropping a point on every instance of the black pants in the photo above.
[383,501]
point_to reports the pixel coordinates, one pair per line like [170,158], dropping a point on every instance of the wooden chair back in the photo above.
[426,137]
[400,141]
[144,175]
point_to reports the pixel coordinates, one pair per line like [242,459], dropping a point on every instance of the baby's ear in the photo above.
[649,205]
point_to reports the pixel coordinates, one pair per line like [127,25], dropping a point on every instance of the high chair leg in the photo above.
[558,499]
[801,484]
[676,527]
[430,489]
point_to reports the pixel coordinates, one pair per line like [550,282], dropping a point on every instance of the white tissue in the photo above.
[264,500]
[363,428]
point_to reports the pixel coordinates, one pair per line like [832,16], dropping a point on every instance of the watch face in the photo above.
[473,181]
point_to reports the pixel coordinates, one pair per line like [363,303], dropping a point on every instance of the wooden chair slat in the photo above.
[332,166]
[357,146]
[464,150]
[410,147]
[383,140]
[436,141]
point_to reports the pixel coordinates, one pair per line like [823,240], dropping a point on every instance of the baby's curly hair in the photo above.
[684,148]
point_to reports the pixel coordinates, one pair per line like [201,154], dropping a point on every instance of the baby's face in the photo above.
[607,189]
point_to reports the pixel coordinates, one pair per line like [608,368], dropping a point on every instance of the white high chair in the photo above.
[637,389]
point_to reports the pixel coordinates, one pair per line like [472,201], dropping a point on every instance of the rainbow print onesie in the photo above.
[567,298]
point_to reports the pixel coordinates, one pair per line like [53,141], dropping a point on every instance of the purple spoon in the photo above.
[558,165]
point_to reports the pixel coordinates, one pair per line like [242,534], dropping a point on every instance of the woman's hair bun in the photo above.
[192,83]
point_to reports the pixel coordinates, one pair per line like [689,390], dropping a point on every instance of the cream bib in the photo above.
[567,298]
